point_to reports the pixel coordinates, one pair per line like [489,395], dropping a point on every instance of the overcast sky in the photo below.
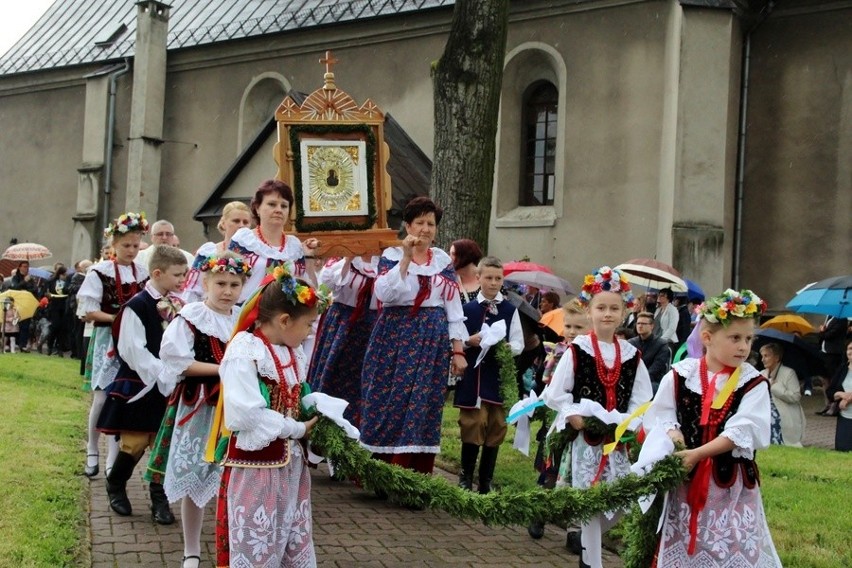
[18,17]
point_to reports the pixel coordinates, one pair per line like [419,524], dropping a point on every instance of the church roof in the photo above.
[77,32]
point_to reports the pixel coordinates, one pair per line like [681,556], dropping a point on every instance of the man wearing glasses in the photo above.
[162,233]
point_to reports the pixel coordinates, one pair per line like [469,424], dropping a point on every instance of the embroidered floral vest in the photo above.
[587,385]
[109,297]
[725,466]
[202,346]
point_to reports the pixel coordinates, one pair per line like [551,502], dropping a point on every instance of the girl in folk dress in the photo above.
[267,246]
[420,328]
[235,216]
[610,373]
[264,509]
[108,285]
[344,331]
[191,350]
[718,407]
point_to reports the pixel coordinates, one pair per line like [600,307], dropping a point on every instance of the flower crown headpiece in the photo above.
[219,264]
[606,279]
[126,223]
[299,293]
[732,304]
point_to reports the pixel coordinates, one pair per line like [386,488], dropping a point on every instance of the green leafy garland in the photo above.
[295,146]
[508,374]
[496,508]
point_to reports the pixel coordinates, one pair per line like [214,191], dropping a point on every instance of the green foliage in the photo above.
[508,374]
[44,414]
[500,508]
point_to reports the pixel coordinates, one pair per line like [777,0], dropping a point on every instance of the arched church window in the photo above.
[538,136]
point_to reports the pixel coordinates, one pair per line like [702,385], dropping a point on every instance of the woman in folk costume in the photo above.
[267,245]
[598,372]
[718,407]
[191,350]
[264,507]
[235,216]
[344,331]
[107,286]
[420,327]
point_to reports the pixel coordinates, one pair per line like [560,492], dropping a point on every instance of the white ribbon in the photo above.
[332,408]
[589,408]
[522,423]
[657,445]
[489,336]
[165,387]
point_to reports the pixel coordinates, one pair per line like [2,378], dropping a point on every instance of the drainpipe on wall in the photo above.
[113,87]
[740,189]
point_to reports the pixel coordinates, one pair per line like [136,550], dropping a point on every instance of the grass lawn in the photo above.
[43,496]
[806,494]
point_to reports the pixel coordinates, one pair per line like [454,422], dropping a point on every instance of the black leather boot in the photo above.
[486,468]
[160,511]
[116,484]
[469,453]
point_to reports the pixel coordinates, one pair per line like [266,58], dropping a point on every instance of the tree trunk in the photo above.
[467,81]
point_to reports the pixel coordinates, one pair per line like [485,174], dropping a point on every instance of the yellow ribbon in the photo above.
[622,428]
[725,393]
[217,430]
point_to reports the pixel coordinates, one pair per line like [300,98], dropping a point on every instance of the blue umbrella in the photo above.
[832,296]
[694,291]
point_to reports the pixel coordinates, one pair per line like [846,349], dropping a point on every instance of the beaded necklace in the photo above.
[428,258]
[119,293]
[264,241]
[607,376]
[288,398]
[713,417]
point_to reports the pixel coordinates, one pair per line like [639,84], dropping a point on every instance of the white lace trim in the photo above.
[584,342]
[247,346]
[248,239]
[743,441]
[107,268]
[206,249]
[689,368]
[440,261]
[266,430]
[401,449]
[209,322]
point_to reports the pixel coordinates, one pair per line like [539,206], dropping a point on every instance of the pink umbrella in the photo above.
[27,251]
[524,266]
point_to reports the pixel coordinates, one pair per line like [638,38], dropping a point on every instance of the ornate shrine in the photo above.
[332,152]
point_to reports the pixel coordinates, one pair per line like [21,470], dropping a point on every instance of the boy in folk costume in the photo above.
[136,399]
[718,407]
[191,350]
[598,372]
[482,416]
[264,506]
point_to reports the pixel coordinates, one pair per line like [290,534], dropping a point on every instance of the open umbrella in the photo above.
[524,266]
[694,291]
[27,251]
[25,302]
[789,323]
[651,273]
[832,296]
[524,307]
[541,279]
[799,355]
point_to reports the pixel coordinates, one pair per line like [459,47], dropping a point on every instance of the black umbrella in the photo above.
[799,355]
[524,307]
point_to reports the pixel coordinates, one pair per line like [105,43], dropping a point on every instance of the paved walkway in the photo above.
[353,528]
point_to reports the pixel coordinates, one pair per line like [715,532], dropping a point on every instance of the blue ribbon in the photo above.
[517,414]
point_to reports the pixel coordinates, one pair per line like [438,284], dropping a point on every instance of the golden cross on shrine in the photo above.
[329,61]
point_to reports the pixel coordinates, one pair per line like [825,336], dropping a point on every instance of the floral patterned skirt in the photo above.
[177,460]
[101,361]
[338,357]
[403,382]
[264,516]
[732,530]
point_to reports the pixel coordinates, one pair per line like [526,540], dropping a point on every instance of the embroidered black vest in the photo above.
[725,466]
[587,385]
[109,297]
[145,307]
[202,346]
